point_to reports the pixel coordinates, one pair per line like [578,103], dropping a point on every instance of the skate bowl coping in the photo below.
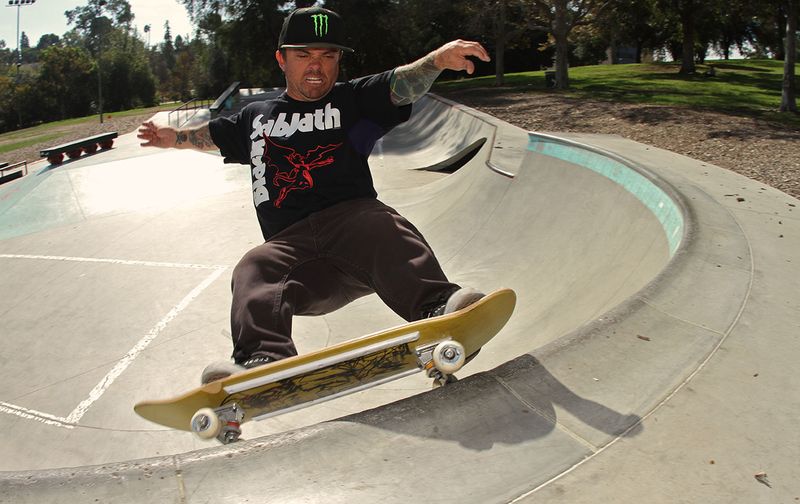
[653,193]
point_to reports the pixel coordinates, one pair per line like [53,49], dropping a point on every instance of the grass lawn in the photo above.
[741,87]
[19,139]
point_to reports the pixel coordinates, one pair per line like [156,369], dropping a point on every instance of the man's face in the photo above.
[310,72]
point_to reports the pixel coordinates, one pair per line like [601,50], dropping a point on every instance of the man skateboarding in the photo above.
[329,240]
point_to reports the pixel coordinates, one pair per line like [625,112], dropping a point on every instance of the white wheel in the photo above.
[206,424]
[449,356]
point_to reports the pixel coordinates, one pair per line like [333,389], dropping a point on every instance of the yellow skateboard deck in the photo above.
[351,366]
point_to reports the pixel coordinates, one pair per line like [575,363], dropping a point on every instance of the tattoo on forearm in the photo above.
[410,82]
[199,138]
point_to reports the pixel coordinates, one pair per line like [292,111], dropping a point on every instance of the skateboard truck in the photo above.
[223,423]
[441,360]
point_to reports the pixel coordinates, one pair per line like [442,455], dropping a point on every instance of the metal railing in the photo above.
[186,111]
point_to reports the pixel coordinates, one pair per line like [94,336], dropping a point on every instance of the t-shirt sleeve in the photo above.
[230,134]
[378,115]
[374,101]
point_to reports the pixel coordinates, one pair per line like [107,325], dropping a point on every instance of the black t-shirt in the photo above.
[307,156]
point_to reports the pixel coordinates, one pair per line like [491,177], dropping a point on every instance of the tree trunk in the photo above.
[687,21]
[612,51]
[562,62]
[500,44]
[561,34]
[789,94]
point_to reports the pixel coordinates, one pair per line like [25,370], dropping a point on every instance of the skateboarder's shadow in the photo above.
[514,403]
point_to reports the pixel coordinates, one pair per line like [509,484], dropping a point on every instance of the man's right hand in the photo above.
[157,136]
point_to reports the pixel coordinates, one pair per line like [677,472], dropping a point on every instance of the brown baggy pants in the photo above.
[324,262]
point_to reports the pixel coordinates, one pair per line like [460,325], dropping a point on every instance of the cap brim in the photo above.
[320,45]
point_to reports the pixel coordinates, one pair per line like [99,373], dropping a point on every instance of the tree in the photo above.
[630,23]
[734,25]
[66,78]
[686,10]
[562,17]
[167,47]
[48,40]
[247,36]
[103,27]
[87,21]
[27,55]
[510,24]
[789,87]
[20,97]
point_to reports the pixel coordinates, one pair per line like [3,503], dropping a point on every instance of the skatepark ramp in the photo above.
[633,274]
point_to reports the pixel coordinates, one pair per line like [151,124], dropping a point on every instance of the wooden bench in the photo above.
[5,167]
[74,149]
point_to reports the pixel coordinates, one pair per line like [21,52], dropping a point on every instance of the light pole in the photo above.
[18,4]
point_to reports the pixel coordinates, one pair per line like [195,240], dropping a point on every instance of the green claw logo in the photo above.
[320,24]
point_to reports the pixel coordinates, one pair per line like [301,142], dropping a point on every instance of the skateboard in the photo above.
[439,346]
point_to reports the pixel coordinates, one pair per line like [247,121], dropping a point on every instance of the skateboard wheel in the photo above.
[449,356]
[206,424]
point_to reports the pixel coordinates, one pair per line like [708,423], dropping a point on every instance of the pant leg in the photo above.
[324,262]
[377,244]
[283,277]
[258,324]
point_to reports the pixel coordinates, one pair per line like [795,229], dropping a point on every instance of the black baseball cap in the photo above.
[313,27]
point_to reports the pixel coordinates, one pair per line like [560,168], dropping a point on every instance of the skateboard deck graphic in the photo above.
[351,366]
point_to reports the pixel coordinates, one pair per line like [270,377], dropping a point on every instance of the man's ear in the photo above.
[281,60]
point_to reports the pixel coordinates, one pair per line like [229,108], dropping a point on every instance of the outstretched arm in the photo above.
[198,138]
[410,82]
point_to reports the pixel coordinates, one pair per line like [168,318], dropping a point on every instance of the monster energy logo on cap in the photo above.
[313,27]
[320,24]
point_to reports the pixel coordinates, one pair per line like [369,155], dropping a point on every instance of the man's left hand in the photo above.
[453,55]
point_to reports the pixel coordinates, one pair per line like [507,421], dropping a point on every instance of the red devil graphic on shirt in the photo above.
[298,175]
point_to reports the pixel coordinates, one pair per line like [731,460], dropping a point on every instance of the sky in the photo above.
[47,16]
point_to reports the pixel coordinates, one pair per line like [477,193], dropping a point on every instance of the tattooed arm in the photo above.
[410,82]
[198,138]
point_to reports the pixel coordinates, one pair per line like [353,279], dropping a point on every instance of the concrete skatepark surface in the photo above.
[650,358]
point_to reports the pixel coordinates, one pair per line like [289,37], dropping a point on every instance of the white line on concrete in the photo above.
[30,414]
[134,352]
[111,261]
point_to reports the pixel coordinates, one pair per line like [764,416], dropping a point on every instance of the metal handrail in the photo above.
[190,106]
